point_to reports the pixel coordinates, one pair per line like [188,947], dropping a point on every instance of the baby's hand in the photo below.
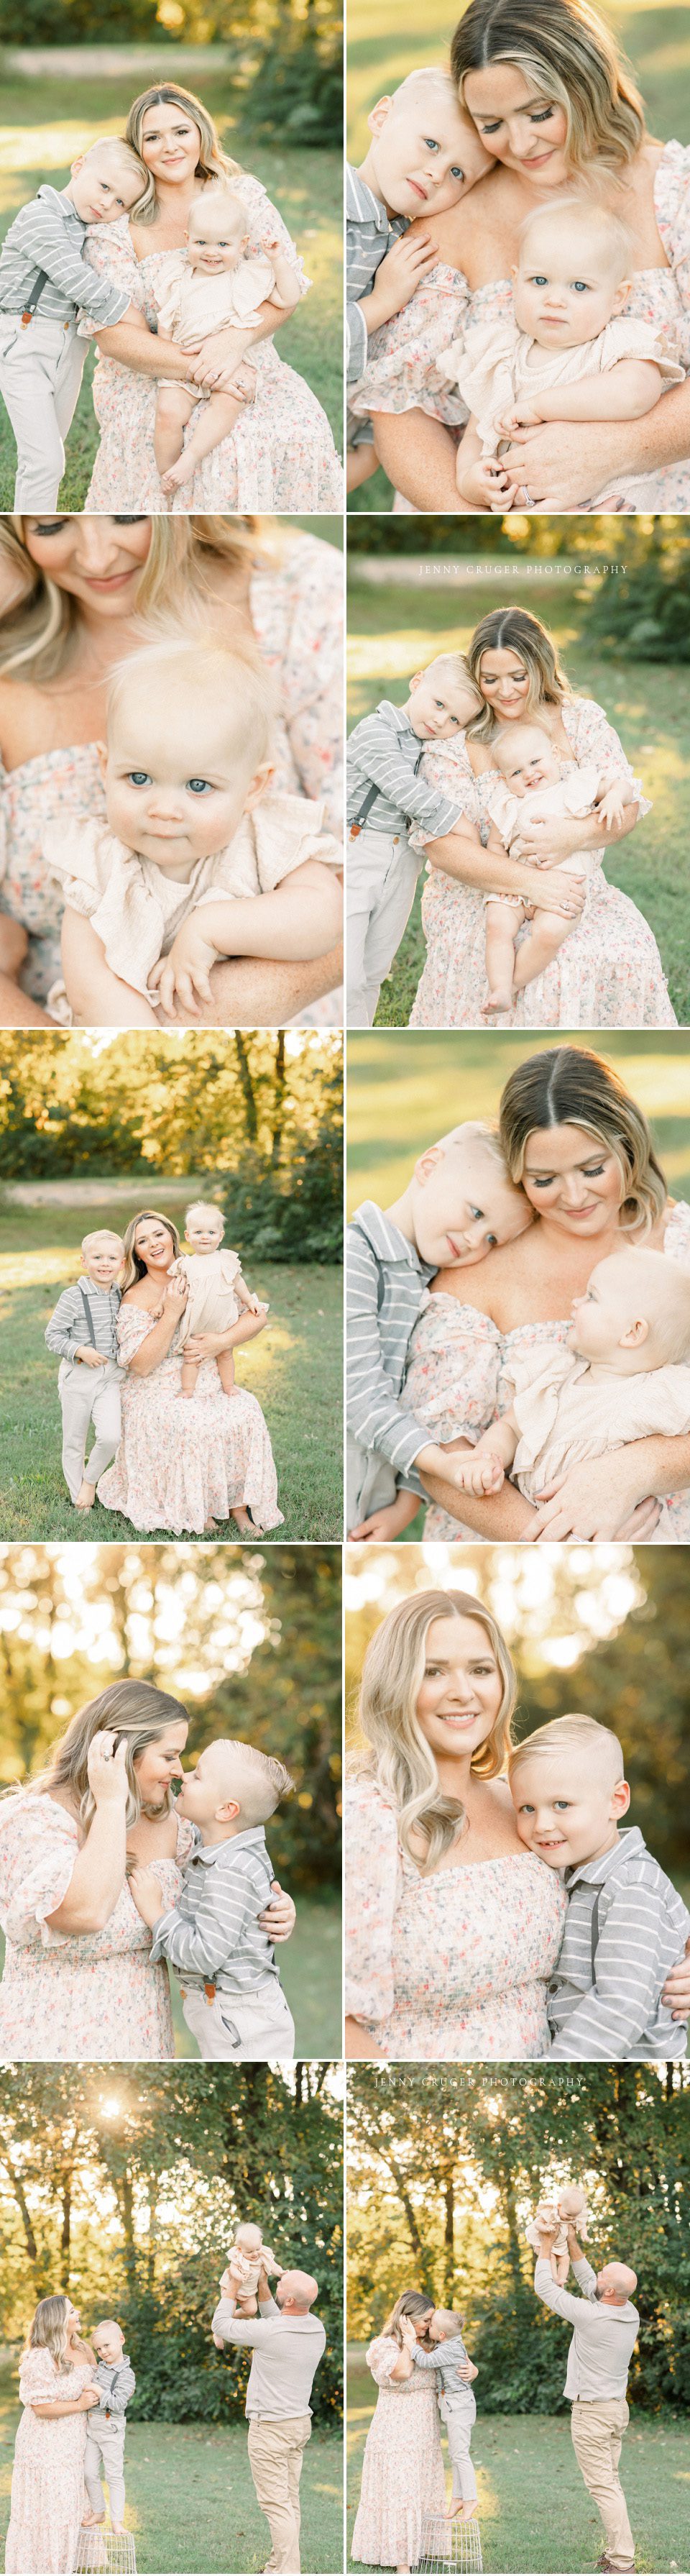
[146,1893]
[218,2341]
[256,1305]
[184,975]
[485,485]
[482,1474]
[610,808]
[524,415]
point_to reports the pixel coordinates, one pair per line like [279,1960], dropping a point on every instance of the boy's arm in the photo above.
[210,1940]
[59,1332]
[376,1416]
[610,2018]
[378,756]
[123,2386]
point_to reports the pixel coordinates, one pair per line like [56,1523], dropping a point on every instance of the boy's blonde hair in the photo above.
[205,1207]
[102,1234]
[482,1135]
[122,152]
[267,1781]
[429,76]
[451,2321]
[104,2324]
[457,667]
[239,687]
[577,1733]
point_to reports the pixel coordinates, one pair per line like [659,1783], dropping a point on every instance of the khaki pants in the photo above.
[597,2430]
[275,2460]
[88,1395]
[105,2448]
[381,874]
[41,370]
[459,2411]
[240,2026]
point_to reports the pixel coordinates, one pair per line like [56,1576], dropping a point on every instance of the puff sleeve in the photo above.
[38,1849]
[371,1883]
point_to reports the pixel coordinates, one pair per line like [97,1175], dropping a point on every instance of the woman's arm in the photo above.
[596,1498]
[146,352]
[358,2042]
[504,1515]
[419,456]
[18,1011]
[157,1343]
[99,1868]
[462,855]
[562,834]
[562,467]
[263,993]
[223,350]
[66,2405]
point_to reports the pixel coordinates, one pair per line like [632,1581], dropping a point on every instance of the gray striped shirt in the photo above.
[212,1936]
[117,2384]
[385,1283]
[49,234]
[604,2339]
[445,2358]
[640,1930]
[369,232]
[384,752]
[68,1330]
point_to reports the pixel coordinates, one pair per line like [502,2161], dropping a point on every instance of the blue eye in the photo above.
[429,144]
[457,173]
[580,285]
[198,786]
[139,778]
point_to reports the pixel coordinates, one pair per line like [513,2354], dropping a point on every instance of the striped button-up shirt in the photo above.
[384,752]
[369,232]
[68,1330]
[604,2339]
[49,234]
[117,2384]
[385,1284]
[446,2358]
[212,1937]
[625,1927]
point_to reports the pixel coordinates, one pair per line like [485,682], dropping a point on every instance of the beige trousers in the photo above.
[275,2460]
[597,2431]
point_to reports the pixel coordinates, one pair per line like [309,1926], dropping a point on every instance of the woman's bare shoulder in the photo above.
[479,1285]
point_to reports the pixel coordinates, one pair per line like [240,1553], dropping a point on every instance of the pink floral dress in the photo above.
[608,972]
[181,1461]
[403,2476]
[68,1996]
[297,615]
[450,1966]
[280,455]
[48,2492]
[460,1375]
[403,372]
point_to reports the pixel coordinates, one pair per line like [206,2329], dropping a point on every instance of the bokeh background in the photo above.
[444,2167]
[94,1126]
[124,2187]
[251,1643]
[270,73]
[615,596]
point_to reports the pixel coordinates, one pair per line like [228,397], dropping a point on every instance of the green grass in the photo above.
[530,2488]
[294,1369]
[392,631]
[190,2499]
[387,39]
[310,1973]
[46,122]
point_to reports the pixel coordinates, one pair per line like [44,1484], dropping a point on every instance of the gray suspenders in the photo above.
[40,280]
[88,1314]
[370,799]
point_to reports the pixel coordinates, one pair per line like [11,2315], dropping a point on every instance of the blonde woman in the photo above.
[280,455]
[56,2387]
[556,104]
[403,2477]
[77,595]
[608,973]
[179,1466]
[77,1984]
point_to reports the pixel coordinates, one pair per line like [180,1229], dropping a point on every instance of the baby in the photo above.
[626,1926]
[106,2424]
[204,289]
[570,2209]
[567,354]
[233,2000]
[196,861]
[531,788]
[457,2404]
[248,2258]
[216,1291]
[622,1374]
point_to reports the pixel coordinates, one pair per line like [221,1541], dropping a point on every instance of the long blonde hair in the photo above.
[411,2303]
[141,1713]
[213,162]
[513,630]
[133,1267]
[402,1762]
[48,2330]
[567,55]
[40,626]
[570,1086]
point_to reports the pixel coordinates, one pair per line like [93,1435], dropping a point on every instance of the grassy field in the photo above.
[190,2499]
[386,40]
[530,2488]
[403,1090]
[46,122]
[392,631]
[295,1370]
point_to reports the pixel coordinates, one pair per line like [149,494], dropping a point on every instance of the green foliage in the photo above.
[297,89]
[186,1105]
[644,612]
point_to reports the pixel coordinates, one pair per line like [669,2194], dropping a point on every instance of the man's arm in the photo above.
[244,2329]
[553,2295]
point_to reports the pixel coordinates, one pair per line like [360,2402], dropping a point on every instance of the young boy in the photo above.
[457,1204]
[384,795]
[45,282]
[425,153]
[233,1999]
[106,2424]
[626,1925]
[82,1332]
[457,2405]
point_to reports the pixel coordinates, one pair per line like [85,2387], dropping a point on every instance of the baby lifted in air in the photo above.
[570,2209]
[205,288]
[531,789]
[248,2258]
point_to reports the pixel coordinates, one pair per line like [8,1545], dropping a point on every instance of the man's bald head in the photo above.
[296,2292]
[616,2283]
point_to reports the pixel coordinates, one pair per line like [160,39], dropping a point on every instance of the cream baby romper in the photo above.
[194,305]
[492,374]
[211,1304]
[565,1414]
[574,794]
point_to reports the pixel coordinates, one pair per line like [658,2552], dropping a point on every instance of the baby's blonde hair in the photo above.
[239,687]
[617,239]
[663,1287]
[507,733]
[577,1733]
[205,1207]
[221,198]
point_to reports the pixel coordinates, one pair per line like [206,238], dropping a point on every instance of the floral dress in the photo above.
[405,358]
[403,2477]
[180,1462]
[608,972]
[461,1373]
[296,608]
[48,2492]
[279,456]
[450,1966]
[75,1997]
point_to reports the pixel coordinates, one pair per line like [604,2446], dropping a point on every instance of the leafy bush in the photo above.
[645,612]
[297,91]
[293,1214]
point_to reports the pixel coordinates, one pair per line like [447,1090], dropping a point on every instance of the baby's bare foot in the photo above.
[182,472]
[497,1001]
[85,1499]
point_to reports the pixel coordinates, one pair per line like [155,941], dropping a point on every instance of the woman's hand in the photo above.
[107,1770]
[205,1346]
[147,1894]
[551,891]
[408,2333]
[676,1992]
[557,836]
[281,1915]
[564,462]
[595,1500]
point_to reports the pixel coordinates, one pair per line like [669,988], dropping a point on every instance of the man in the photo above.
[606,2328]
[288,2345]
